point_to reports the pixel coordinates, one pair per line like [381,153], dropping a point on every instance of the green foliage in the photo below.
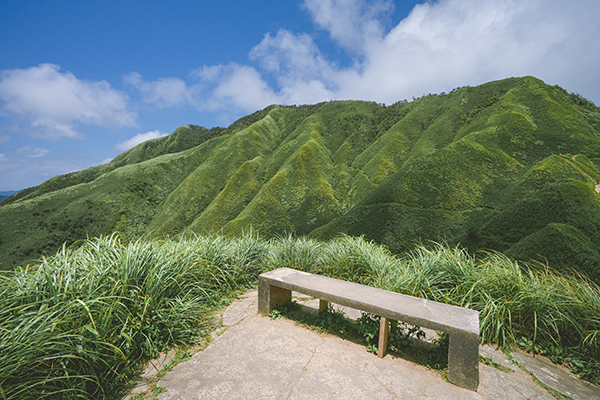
[82,321]
[510,165]
[514,299]
[184,137]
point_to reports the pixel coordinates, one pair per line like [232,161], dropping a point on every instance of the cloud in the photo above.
[3,158]
[440,45]
[301,70]
[54,102]
[353,24]
[164,92]
[457,42]
[30,152]
[231,87]
[236,85]
[139,138]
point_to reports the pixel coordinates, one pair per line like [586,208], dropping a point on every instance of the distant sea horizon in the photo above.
[6,193]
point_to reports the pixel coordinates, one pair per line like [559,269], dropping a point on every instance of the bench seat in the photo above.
[461,324]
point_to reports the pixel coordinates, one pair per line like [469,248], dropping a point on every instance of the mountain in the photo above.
[511,165]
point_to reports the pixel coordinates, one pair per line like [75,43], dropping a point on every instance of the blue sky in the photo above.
[82,81]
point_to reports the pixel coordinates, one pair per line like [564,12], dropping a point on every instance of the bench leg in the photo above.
[323,305]
[384,327]
[270,296]
[463,360]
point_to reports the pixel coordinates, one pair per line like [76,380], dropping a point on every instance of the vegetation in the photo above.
[82,321]
[184,137]
[402,339]
[510,166]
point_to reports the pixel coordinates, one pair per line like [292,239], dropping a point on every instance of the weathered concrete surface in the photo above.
[150,371]
[557,377]
[461,324]
[260,358]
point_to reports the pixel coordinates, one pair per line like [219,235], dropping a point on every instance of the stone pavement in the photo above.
[260,358]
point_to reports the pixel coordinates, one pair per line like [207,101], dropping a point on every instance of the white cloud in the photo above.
[139,138]
[3,158]
[55,101]
[209,73]
[302,72]
[354,24]
[30,152]
[440,45]
[217,87]
[164,92]
[236,85]
[290,54]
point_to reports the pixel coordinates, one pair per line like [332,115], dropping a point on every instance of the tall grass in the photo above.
[514,299]
[80,324]
[83,320]
[550,310]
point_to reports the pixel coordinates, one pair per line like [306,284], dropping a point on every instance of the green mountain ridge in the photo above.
[510,165]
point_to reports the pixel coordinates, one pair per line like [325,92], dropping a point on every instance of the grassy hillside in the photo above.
[510,165]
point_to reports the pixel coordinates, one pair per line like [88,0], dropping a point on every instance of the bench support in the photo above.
[384,327]
[269,296]
[461,324]
[463,360]
[323,305]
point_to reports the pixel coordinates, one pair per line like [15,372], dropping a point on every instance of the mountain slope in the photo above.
[510,165]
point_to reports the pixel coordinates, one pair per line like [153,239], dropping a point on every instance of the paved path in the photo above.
[260,358]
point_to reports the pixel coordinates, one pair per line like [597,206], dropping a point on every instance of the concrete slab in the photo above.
[497,356]
[257,357]
[153,367]
[557,377]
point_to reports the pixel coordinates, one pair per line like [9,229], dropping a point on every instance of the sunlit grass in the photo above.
[84,320]
[81,323]
[552,312]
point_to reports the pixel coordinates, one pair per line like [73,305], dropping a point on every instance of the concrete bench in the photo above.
[461,324]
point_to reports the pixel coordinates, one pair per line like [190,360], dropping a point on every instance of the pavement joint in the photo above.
[387,389]
[304,368]
[245,314]
[425,387]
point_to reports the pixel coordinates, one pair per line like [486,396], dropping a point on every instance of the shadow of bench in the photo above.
[461,324]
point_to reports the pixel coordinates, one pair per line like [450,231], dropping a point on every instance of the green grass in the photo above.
[82,322]
[509,165]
